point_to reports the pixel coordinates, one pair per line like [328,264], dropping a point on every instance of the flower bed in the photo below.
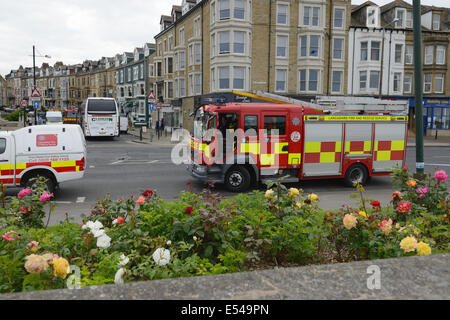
[201,234]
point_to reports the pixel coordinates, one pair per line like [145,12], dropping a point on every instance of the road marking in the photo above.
[437,164]
[153,161]
[91,166]
[63,202]
[81,199]
[116,162]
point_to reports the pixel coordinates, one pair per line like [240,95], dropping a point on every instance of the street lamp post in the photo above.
[382,57]
[34,79]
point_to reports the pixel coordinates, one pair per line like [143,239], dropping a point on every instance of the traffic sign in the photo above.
[158,106]
[24,103]
[151,107]
[35,93]
[36,105]
[151,97]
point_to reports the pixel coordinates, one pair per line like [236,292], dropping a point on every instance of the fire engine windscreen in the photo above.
[204,121]
[101,106]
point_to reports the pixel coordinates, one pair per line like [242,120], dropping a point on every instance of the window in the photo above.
[374,79]
[251,125]
[170,65]
[397,81]
[213,45]
[398,53]
[198,53]
[213,79]
[336,81]
[338,18]
[282,14]
[439,83]
[362,80]
[400,15]
[182,87]
[409,19]
[313,84]
[440,55]
[427,82]
[224,78]
[197,28]
[282,43]
[314,46]
[224,42]
[2,145]
[429,54]
[375,51]
[170,43]
[311,16]
[338,48]
[274,125]
[280,82]
[213,12]
[239,42]
[198,83]
[409,54]
[151,70]
[436,21]
[191,85]
[181,38]
[303,46]
[364,49]
[224,9]
[372,16]
[239,77]
[407,83]
[182,60]
[239,9]
[170,90]
[191,55]
[302,80]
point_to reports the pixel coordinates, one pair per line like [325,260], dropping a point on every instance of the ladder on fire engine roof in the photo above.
[336,104]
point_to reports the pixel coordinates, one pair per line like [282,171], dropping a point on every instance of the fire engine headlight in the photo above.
[200,169]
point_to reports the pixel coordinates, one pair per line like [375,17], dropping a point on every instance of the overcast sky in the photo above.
[75,30]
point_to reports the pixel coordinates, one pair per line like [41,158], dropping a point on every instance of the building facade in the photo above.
[293,48]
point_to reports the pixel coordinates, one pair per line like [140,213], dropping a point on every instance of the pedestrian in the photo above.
[157,128]
[162,127]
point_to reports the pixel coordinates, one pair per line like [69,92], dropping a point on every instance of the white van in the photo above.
[123,123]
[56,152]
[54,117]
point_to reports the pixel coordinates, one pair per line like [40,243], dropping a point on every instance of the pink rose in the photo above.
[141,200]
[422,192]
[9,236]
[440,176]
[45,197]
[404,206]
[23,193]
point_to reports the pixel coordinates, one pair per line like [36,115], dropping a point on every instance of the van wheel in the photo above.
[356,173]
[50,183]
[237,179]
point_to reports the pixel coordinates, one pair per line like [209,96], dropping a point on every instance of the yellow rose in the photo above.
[408,244]
[313,197]
[61,267]
[269,194]
[362,213]
[350,221]
[423,249]
[293,192]
[299,204]
[35,264]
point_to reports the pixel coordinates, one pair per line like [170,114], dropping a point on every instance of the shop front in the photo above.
[436,114]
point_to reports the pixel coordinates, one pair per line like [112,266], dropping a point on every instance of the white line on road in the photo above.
[63,202]
[81,199]
[117,162]
[91,166]
[437,164]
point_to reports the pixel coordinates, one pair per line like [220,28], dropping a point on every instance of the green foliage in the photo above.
[204,234]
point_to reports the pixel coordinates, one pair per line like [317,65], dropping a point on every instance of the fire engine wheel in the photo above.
[31,184]
[237,179]
[356,173]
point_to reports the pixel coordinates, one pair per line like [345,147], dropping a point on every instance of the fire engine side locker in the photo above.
[322,155]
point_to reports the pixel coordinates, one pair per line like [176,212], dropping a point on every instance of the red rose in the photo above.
[261,217]
[189,210]
[120,220]
[24,210]
[375,203]
[147,193]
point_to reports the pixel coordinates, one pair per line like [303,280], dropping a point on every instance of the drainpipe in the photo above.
[389,63]
[270,29]
[353,60]
[329,47]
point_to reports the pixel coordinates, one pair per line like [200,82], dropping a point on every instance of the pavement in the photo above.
[417,278]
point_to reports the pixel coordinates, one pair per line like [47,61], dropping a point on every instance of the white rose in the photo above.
[114,221]
[118,277]
[97,225]
[169,243]
[98,232]
[161,256]
[123,260]
[103,242]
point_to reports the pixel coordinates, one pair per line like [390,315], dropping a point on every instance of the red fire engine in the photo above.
[269,140]
[71,116]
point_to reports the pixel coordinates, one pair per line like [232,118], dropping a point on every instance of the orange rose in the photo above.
[412,183]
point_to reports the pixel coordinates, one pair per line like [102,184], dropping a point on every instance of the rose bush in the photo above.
[146,238]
